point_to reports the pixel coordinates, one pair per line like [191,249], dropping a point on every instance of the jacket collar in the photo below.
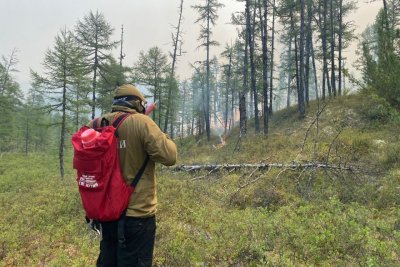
[123,109]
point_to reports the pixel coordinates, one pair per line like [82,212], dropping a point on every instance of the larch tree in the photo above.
[198,98]
[380,60]
[152,69]
[60,65]
[208,16]
[112,75]
[93,33]
[35,134]
[10,101]
[227,74]
[185,114]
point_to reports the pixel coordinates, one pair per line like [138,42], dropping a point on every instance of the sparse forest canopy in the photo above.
[250,80]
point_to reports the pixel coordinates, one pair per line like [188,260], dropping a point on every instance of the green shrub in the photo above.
[392,157]
[377,109]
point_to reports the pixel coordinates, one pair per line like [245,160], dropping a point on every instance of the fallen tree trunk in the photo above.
[260,166]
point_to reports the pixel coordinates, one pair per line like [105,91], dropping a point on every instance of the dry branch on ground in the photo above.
[260,166]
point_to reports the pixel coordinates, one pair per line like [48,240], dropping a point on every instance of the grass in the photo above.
[282,218]
[42,221]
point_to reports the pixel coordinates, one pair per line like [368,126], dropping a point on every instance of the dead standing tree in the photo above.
[177,43]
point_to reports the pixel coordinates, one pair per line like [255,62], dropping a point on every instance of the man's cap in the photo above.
[128,90]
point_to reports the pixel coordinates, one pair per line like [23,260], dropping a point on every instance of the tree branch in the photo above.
[260,166]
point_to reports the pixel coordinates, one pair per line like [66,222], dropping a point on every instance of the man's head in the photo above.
[129,96]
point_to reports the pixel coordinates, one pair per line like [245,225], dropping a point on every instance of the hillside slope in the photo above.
[308,216]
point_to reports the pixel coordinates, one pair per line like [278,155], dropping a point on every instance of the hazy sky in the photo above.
[31,25]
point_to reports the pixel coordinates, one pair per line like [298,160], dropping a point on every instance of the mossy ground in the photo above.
[287,217]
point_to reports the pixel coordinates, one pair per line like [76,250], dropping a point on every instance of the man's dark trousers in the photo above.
[135,251]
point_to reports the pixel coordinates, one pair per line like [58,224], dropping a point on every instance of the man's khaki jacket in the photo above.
[138,137]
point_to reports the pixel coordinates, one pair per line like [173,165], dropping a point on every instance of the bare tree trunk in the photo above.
[289,73]
[386,13]
[171,129]
[315,70]
[207,111]
[94,81]
[301,62]
[26,135]
[228,85]
[253,69]
[193,115]
[174,55]
[264,27]
[121,53]
[243,115]
[77,108]
[340,45]
[308,52]
[183,109]
[324,50]
[204,105]
[296,57]
[242,97]
[271,76]
[63,128]
[215,99]
[157,92]
[233,115]
[333,76]
[153,115]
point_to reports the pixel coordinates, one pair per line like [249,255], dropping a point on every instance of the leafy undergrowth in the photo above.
[280,217]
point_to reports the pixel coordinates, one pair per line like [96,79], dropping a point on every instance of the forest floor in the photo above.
[280,216]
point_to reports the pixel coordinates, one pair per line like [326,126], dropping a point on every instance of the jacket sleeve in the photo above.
[157,144]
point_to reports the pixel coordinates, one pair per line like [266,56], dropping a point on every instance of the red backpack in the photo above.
[103,190]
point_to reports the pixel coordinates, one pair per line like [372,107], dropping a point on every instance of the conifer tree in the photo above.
[381,54]
[152,69]
[93,33]
[227,74]
[60,67]
[112,75]
[208,16]
[10,101]
[33,122]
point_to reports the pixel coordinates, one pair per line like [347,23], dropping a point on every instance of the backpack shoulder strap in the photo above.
[94,123]
[103,122]
[118,121]
[140,172]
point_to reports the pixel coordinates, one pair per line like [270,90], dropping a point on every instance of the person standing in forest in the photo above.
[141,145]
